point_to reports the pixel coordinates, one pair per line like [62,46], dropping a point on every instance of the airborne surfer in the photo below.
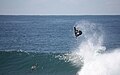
[77,32]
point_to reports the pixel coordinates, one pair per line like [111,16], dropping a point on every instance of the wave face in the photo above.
[20,63]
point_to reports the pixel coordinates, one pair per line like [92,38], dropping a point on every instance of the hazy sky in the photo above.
[60,7]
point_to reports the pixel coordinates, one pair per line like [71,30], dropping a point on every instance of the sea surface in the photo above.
[49,44]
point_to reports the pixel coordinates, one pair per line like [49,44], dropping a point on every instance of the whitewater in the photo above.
[92,54]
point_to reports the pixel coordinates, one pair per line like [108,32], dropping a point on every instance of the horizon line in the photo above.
[60,15]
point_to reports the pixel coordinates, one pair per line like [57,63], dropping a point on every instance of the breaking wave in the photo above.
[92,52]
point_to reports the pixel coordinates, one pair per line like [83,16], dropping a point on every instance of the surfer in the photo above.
[77,32]
[34,67]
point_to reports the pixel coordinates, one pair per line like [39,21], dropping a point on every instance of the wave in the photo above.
[20,63]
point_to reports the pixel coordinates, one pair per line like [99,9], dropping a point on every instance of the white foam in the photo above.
[104,64]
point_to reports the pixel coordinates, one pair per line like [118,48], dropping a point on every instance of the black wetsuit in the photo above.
[77,32]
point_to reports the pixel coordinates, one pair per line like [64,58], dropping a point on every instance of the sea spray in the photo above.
[91,44]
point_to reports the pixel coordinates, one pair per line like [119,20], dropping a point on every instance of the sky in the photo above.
[59,7]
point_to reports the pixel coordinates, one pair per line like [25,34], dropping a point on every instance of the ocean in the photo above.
[48,43]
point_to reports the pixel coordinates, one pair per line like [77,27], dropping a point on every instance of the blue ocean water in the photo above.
[43,40]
